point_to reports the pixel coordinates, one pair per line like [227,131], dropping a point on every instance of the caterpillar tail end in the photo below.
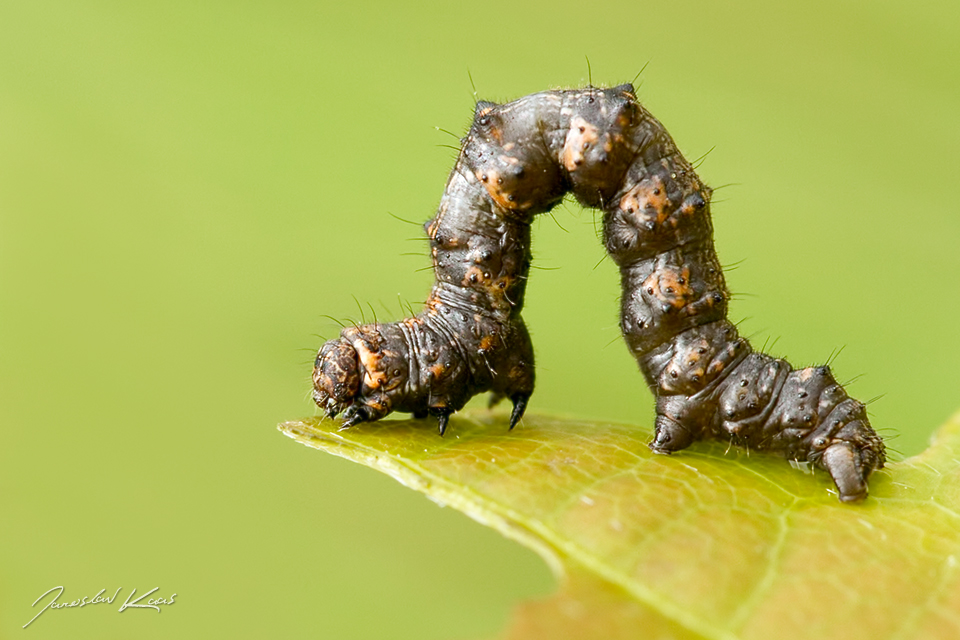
[670,435]
[850,466]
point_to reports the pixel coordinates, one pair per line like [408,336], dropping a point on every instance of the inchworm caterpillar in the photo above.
[518,160]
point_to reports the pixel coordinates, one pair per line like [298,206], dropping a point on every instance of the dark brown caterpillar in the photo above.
[600,144]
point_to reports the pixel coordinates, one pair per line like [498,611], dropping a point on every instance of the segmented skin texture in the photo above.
[518,160]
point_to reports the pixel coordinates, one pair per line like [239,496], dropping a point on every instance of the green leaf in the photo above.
[708,543]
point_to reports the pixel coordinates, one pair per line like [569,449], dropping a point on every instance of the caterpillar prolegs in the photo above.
[518,160]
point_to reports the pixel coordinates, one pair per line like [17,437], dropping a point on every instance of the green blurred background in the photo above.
[186,188]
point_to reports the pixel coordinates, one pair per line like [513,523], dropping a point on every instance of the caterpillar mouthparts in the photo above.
[518,160]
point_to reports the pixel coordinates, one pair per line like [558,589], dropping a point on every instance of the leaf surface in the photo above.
[710,543]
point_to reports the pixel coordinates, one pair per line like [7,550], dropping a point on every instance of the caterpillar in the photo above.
[519,159]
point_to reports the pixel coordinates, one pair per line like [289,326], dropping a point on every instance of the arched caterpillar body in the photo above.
[518,160]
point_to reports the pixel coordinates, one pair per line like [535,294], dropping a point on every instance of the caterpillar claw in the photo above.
[442,420]
[355,414]
[519,407]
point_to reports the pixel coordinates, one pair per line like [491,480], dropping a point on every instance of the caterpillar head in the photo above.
[336,376]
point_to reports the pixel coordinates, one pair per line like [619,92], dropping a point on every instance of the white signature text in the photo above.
[132,601]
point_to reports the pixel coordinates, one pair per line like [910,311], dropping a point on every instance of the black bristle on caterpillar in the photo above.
[518,160]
